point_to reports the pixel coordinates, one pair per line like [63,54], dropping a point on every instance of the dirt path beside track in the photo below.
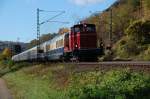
[4,91]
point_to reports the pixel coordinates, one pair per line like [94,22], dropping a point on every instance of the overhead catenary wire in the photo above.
[41,23]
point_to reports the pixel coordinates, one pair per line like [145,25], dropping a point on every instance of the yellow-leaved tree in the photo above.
[63,30]
[6,53]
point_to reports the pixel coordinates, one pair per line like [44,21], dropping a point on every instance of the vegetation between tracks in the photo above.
[61,81]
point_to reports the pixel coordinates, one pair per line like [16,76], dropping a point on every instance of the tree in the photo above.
[146,4]
[123,12]
[7,53]
[63,30]
[43,38]
[32,43]
[46,37]
[139,31]
[135,42]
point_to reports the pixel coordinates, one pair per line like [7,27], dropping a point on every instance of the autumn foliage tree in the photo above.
[43,38]
[63,30]
[146,4]
[7,53]
[136,42]
[123,13]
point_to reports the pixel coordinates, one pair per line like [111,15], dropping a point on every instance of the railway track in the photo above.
[105,66]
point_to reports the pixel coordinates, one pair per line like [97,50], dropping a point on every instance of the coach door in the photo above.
[66,43]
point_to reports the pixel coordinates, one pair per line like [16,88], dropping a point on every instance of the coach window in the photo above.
[67,40]
[47,47]
[57,44]
[61,42]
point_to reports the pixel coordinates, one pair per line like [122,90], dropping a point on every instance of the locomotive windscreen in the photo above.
[78,28]
[85,28]
[90,28]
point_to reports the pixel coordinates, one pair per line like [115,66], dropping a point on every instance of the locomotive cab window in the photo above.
[90,28]
[78,28]
[72,30]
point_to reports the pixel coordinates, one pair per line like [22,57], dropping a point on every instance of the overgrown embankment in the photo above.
[61,81]
[135,45]
[34,83]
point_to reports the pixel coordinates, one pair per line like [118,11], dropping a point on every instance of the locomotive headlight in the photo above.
[76,46]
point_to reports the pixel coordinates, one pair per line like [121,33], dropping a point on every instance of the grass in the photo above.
[28,84]
[60,81]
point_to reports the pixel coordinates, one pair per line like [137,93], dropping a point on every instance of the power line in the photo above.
[110,23]
[57,22]
[141,10]
[41,23]
[51,11]
[110,32]
[60,13]
[98,13]
[38,32]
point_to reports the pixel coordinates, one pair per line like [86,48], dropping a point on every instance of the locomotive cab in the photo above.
[81,42]
[83,36]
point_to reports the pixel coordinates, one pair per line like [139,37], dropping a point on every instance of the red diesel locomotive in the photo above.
[81,43]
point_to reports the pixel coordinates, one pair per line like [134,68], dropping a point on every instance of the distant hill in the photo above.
[14,46]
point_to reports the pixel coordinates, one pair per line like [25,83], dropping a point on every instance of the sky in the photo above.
[18,18]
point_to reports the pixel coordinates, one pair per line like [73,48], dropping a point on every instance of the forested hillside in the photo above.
[124,12]
[130,23]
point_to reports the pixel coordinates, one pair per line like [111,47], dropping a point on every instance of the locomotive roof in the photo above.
[55,38]
[83,24]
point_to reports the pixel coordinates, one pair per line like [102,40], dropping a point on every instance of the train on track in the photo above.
[79,44]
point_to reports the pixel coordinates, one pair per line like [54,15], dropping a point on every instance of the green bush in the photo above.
[136,40]
[126,48]
[115,85]
[139,31]
[3,63]
[147,4]
[145,55]
[10,63]
[7,63]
